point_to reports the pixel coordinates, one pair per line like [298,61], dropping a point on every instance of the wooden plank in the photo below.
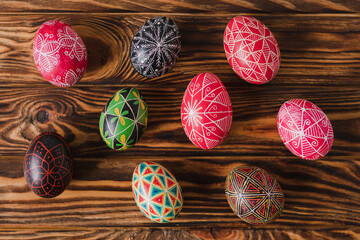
[254,234]
[155,234]
[186,6]
[316,50]
[320,194]
[320,62]
[74,113]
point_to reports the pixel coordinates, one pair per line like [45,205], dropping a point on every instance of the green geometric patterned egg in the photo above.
[124,119]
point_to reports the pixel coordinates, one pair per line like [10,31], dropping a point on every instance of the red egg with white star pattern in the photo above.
[251,50]
[305,129]
[206,112]
[59,53]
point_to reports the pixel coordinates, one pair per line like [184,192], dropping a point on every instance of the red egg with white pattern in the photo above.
[59,53]
[206,112]
[305,129]
[251,50]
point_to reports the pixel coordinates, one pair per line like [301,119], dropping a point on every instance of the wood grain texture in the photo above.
[230,234]
[101,234]
[315,50]
[320,62]
[185,6]
[319,195]
[197,234]
[74,113]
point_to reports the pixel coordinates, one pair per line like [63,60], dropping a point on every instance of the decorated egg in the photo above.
[254,195]
[206,111]
[59,53]
[251,49]
[124,119]
[48,165]
[155,47]
[305,129]
[156,192]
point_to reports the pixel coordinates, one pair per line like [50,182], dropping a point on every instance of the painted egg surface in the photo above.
[305,129]
[59,53]
[251,49]
[155,47]
[254,195]
[156,192]
[206,112]
[48,165]
[124,119]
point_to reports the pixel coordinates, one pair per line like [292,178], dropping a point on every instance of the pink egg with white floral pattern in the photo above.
[206,112]
[305,129]
[59,53]
[251,50]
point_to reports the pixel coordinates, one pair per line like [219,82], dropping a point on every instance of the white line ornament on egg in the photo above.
[206,111]
[155,47]
[251,50]
[305,129]
[59,53]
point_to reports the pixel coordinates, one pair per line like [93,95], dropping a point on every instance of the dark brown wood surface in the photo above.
[196,234]
[320,47]
[182,6]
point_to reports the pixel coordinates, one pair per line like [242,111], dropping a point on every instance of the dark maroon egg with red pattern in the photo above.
[48,165]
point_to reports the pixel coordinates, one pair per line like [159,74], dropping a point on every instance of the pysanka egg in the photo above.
[254,195]
[305,129]
[251,49]
[59,53]
[48,165]
[156,192]
[124,119]
[155,47]
[206,112]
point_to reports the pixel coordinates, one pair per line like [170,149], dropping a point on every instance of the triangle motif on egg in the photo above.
[159,195]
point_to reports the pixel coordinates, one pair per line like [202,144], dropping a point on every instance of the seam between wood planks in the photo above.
[187,14]
[57,228]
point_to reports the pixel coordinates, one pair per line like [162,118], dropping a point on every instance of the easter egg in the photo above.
[59,53]
[254,195]
[156,192]
[155,47]
[48,165]
[305,129]
[124,119]
[251,50]
[206,112]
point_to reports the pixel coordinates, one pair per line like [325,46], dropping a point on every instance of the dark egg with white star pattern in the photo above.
[48,165]
[155,47]
[124,119]
[254,195]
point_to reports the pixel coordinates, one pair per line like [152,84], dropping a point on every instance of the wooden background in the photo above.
[320,50]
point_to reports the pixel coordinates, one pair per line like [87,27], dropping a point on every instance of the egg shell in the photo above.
[155,47]
[305,129]
[251,50]
[156,192]
[59,53]
[124,119]
[48,165]
[206,112]
[254,195]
